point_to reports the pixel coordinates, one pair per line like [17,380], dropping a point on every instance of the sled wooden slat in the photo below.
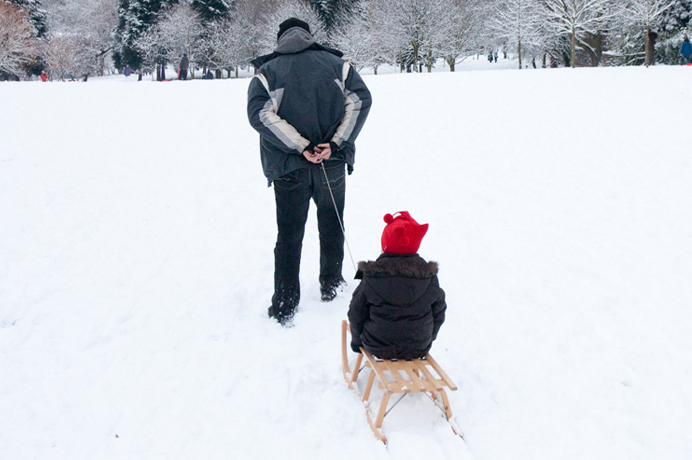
[399,385]
[439,384]
[395,376]
[413,375]
[441,373]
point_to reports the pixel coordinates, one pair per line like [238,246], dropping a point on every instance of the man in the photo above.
[308,106]
[685,51]
[184,65]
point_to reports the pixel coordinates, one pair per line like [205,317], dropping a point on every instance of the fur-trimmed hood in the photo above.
[406,265]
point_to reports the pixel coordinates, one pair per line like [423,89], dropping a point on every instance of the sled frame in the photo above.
[395,376]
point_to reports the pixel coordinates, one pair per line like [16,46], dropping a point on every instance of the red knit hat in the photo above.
[403,234]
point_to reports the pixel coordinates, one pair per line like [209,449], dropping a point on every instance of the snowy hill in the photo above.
[136,262]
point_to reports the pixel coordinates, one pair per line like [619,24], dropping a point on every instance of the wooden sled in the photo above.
[394,376]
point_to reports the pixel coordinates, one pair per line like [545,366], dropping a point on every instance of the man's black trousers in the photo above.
[293,193]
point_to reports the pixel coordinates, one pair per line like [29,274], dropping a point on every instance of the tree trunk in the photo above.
[519,52]
[574,47]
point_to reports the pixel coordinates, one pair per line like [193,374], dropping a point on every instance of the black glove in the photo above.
[355,347]
[335,149]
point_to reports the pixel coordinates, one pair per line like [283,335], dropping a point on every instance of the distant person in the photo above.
[44,76]
[653,36]
[685,51]
[490,57]
[182,68]
[496,58]
[399,306]
[127,72]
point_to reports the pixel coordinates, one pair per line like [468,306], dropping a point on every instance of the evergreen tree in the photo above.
[37,15]
[677,17]
[212,10]
[674,23]
[134,18]
[334,14]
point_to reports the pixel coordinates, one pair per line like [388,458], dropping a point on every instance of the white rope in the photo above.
[336,210]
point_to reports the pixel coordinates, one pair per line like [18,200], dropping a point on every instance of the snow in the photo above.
[136,263]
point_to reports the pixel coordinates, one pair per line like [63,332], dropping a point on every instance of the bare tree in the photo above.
[227,45]
[61,56]
[269,26]
[91,24]
[178,32]
[413,26]
[378,30]
[517,23]
[459,36]
[18,44]
[363,40]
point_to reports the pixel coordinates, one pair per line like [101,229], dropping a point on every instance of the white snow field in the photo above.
[136,268]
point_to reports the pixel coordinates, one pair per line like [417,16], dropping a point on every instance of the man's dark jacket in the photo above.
[398,308]
[304,94]
[184,63]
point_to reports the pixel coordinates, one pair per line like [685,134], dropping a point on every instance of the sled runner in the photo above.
[396,376]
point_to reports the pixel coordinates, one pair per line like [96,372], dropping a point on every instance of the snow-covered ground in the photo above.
[136,239]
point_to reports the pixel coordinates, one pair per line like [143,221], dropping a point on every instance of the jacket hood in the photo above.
[406,265]
[399,279]
[294,40]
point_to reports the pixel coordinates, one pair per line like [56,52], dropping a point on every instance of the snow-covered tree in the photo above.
[179,31]
[518,24]
[135,17]
[460,34]
[368,39]
[36,15]
[677,17]
[414,25]
[644,14]
[674,24]
[91,24]
[356,41]
[578,19]
[228,44]
[269,26]
[212,10]
[61,56]
[18,42]
[334,14]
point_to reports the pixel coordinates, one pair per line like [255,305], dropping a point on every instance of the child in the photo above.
[398,308]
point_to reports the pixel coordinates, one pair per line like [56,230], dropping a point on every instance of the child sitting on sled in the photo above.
[398,308]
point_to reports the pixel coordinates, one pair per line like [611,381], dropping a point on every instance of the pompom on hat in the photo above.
[403,234]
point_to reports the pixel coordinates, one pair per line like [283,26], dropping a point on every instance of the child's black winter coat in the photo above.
[398,308]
